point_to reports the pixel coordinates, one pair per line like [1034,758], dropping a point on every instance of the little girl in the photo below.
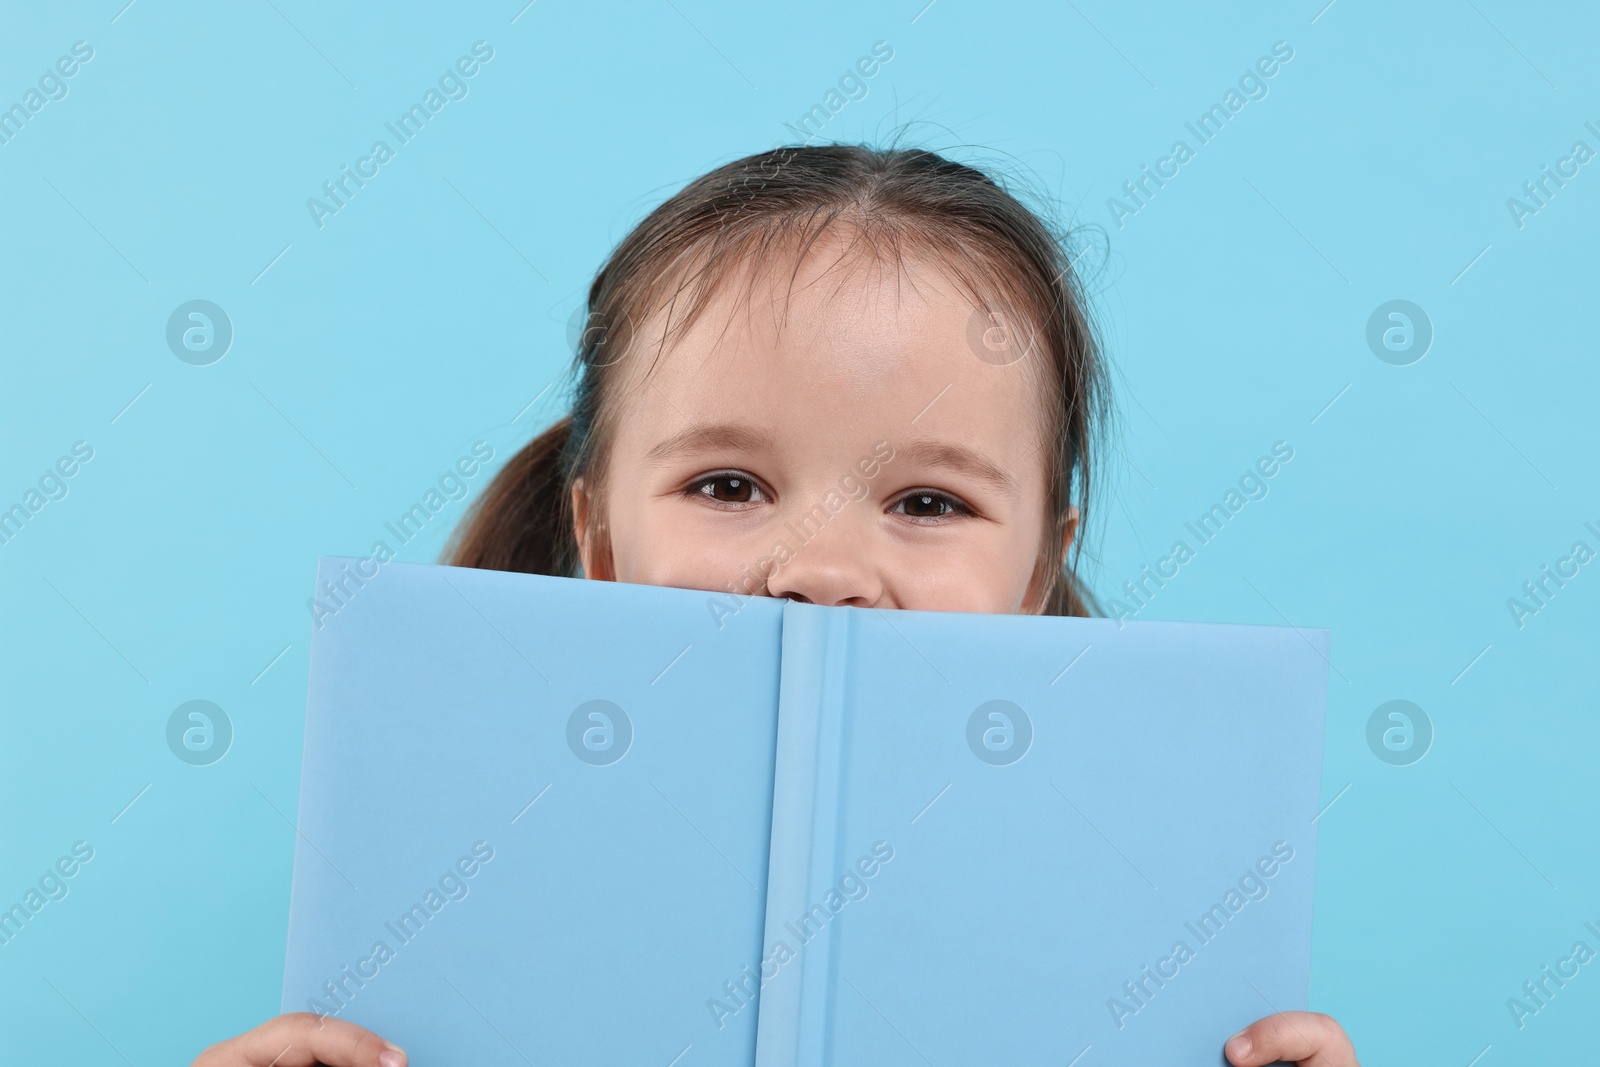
[837,374]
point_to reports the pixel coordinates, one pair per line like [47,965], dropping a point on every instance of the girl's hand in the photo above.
[1308,1038]
[303,1039]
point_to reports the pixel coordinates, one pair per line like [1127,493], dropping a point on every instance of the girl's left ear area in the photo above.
[580,512]
[580,527]
[1033,600]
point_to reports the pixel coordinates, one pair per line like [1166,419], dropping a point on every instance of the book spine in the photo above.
[793,1009]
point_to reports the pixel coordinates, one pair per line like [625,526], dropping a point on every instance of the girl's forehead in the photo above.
[854,349]
[838,310]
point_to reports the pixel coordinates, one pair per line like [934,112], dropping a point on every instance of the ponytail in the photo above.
[523,520]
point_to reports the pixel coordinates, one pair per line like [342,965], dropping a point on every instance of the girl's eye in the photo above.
[927,504]
[729,487]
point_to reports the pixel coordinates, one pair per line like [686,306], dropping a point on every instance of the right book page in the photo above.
[1037,840]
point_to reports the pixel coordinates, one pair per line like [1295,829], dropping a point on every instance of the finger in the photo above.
[304,1039]
[1308,1038]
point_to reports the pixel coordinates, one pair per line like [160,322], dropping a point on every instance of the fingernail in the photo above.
[1238,1047]
[393,1057]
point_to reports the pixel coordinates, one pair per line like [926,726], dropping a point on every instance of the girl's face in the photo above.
[863,455]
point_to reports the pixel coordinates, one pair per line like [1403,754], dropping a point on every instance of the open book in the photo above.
[550,820]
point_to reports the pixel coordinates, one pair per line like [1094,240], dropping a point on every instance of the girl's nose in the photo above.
[833,568]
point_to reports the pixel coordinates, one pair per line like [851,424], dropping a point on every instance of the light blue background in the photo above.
[432,310]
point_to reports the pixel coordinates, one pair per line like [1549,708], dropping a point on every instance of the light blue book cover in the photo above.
[536,814]
[1023,840]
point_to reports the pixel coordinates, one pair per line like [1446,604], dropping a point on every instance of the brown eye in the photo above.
[730,488]
[925,504]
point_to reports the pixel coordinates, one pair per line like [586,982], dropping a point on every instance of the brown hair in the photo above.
[747,213]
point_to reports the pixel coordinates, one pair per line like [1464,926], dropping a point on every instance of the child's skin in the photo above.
[856,364]
[863,353]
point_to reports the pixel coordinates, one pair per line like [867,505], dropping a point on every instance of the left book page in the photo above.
[534,815]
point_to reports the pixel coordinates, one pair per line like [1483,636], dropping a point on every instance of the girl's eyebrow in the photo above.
[731,437]
[961,459]
[711,437]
